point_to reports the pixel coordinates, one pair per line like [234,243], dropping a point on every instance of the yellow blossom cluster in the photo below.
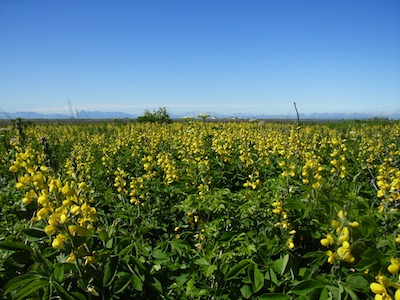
[338,161]
[253,181]
[381,288]
[283,222]
[311,172]
[388,183]
[168,165]
[339,239]
[120,181]
[61,204]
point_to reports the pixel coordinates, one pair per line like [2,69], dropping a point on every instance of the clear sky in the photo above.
[225,56]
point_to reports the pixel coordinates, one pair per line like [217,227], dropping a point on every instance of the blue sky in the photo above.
[224,56]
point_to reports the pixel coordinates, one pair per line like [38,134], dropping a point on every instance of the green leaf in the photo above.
[239,268]
[58,273]
[159,254]
[258,280]
[285,263]
[18,282]
[351,293]
[34,234]
[274,296]
[110,244]
[30,288]
[18,260]
[179,245]
[61,291]
[180,280]
[122,283]
[307,286]
[281,264]
[357,282]
[226,236]
[161,257]
[78,296]
[137,282]
[110,270]
[14,246]
[156,284]
[382,243]
[210,270]
[246,291]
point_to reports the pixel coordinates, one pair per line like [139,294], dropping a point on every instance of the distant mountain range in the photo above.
[87,115]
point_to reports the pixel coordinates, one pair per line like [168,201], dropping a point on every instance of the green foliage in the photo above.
[157,116]
[202,210]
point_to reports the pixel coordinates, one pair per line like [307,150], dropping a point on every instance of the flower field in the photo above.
[200,210]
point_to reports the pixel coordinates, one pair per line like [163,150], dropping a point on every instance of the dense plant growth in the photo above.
[200,210]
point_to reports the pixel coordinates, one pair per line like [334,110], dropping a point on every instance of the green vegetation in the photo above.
[200,210]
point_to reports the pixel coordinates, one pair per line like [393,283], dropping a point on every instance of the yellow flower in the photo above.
[354,224]
[13,169]
[397,295]
[26,200]
[50,229]
[393,269]
[20,185]
[58,242]
[71,257]
[90,260]
[42,213]
[377,288]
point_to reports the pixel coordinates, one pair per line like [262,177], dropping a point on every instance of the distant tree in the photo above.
[157,116]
